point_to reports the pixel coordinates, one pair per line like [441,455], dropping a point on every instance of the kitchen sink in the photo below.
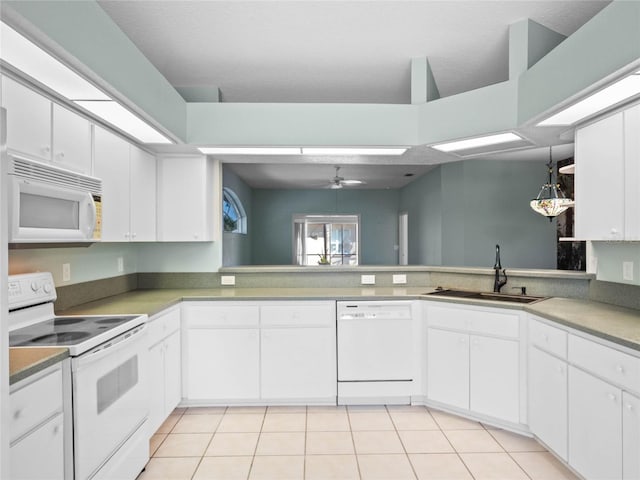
[496,297]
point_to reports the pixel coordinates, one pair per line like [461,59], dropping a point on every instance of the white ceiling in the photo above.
[334,51]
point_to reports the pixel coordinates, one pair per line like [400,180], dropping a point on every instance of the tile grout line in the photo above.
[404,448]
[255,450]
[353,442]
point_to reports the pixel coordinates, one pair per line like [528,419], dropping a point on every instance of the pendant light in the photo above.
[551,201]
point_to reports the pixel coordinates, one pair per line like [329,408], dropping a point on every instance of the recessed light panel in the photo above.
[352,151]
[250,150]
[605,98]
[477,142]
[32,60]
[120,117]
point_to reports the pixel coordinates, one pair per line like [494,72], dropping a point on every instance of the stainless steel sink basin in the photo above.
[496,297]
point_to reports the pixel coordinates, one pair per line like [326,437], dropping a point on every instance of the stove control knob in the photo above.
[34,286]
[47,288]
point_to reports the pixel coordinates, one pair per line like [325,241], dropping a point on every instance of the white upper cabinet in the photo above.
[112,166]
[128,189]
[185,199]
[143,195]
[71,140]
[46,131]
[28,120]
[607,178]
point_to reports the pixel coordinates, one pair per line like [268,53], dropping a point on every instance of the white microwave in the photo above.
[48,204]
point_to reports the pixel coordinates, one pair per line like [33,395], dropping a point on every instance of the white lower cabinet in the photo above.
[164,366]
[223,364]
[251,352]
[494,377]
[630,436]
[595,426]
[470,371]
[448,367]
[548,400]
[38,446]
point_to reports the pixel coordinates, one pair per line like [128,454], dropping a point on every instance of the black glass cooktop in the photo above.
[65,331]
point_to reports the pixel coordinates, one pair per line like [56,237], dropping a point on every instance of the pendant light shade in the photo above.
[551,201]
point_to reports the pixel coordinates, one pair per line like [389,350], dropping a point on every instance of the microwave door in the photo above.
[48,213]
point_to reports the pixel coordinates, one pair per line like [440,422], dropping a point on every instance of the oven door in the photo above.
[110,399]
[41,212]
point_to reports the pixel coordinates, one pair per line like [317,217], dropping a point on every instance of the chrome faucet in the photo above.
[497,283]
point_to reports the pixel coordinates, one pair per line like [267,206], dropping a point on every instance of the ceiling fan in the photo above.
[339,182]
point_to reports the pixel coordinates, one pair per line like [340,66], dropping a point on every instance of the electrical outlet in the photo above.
[368,279]
[120,264]
[627,271]
[66,272]
[399,279]
[228,280]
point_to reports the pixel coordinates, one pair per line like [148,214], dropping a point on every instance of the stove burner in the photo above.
[110,320]
[61,337]
[67,321]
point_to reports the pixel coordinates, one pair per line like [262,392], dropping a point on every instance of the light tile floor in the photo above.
[324,443]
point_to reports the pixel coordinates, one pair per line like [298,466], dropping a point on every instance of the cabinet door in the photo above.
[112,166]
[156,386]
[600,168]
[548,400]
[494,366]
[632,173]
[71,140]
[143,196]
[185,201]
[448,368]
[298,363]
[28,120]
[595,426]
[39,455]
[631,437]
[172,373]
[222,364]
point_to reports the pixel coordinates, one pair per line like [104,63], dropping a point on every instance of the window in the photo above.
[326,239]
[234,219]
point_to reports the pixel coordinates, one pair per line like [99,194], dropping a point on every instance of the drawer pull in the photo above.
[611,397]
[17,414]
[619,369]
[629,407]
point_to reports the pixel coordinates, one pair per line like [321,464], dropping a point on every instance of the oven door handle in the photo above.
[115,347]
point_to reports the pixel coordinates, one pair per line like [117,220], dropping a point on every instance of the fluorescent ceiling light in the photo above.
[120,117]
[477,142]
[352,151]
[250,150]
[615,93]
[27,57]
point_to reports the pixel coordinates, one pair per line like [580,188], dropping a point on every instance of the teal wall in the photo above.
[458,212]
[273,210]
[236,247]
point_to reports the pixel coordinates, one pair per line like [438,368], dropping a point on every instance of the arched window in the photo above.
[234,218]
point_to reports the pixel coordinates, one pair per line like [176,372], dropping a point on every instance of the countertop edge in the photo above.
[21,367]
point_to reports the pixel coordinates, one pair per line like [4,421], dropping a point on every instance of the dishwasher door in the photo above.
[375,341]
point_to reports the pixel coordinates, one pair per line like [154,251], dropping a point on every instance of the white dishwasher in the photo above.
[375,352]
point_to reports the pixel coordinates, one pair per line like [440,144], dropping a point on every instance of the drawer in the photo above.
[221,316]
[605,362]
[503,324]
[548,338]
[32,404]
[312,315]
[162,326]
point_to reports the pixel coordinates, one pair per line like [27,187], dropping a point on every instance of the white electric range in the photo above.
[108,375]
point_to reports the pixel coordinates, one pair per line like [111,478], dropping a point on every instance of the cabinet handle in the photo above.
[546,338]
[126,235]
[629,406]
[195,235]
[56,429]
[17,414]
[133,235]
[560,370]
[619,369]
[462,340]
[60,155]
[46,148]
[611,397]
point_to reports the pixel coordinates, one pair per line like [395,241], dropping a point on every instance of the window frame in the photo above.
[342,218]
[230,197]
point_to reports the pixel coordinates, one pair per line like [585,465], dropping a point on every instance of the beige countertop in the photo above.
[617,324]
[26,361]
